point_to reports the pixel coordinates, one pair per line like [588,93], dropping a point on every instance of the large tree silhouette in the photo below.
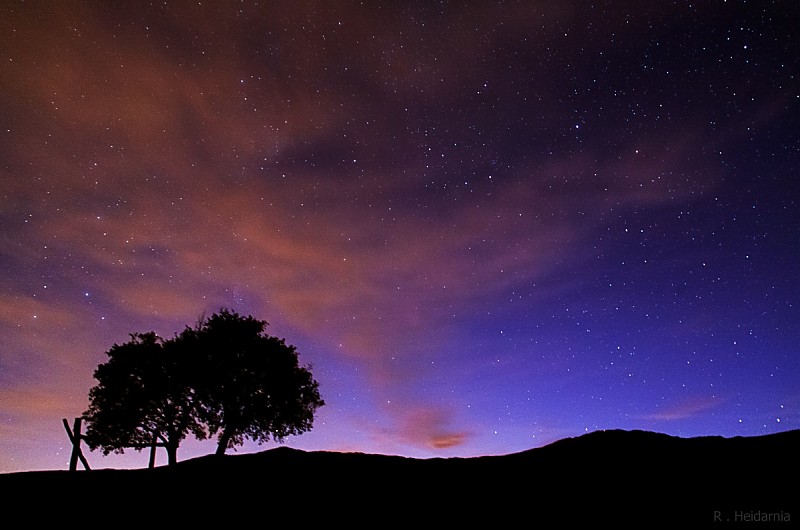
[251,384]
[143,392]
[225,377]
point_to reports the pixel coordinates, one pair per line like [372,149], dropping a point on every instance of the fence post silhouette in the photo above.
[75,437]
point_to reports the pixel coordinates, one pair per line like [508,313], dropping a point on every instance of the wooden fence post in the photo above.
[75,437]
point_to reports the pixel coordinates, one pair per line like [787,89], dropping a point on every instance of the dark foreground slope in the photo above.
[629,478]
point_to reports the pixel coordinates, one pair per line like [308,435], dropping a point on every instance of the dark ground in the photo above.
[624,478]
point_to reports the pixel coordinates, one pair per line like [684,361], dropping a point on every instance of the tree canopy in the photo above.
[252,386]
[142,394]
[225,377]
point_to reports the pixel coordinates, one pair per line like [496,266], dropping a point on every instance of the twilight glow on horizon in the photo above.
[486,225]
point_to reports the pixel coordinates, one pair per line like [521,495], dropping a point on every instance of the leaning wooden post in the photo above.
[75,437]
[76,445]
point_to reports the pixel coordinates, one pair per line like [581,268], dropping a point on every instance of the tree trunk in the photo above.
[224,440]
[172,453]
[153,446]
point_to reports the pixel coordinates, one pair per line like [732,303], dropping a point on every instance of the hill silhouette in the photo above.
[620,477]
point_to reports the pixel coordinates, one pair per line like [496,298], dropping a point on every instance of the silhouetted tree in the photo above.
[224,377]
[143,391]
[251,385]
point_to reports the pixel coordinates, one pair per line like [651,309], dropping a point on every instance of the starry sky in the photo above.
[487,225]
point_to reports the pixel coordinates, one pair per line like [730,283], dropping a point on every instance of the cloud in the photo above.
[684,410]
[430,427]
[212,186]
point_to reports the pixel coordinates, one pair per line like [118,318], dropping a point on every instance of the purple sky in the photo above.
[488,225]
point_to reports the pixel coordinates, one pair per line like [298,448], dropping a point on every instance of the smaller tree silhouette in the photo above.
[143,391]
[250,384]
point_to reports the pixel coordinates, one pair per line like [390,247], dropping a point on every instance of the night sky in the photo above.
[487,225]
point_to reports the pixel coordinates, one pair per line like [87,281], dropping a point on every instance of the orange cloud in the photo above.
[684,410]
[430,427]
[39,401]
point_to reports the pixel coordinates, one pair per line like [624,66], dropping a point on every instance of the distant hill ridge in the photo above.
[614,475]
